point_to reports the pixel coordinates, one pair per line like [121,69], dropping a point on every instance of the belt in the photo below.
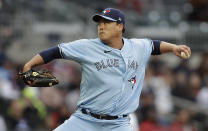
[101,116]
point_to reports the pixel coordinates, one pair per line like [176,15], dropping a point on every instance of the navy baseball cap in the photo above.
[112,15]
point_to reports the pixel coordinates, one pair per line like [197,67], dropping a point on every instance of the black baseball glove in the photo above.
[42,78]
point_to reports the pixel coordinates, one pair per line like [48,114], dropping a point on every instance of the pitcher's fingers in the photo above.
[187,48]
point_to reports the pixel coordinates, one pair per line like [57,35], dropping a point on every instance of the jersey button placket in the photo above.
[124,78]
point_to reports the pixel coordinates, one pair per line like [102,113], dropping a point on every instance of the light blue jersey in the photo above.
[112,79]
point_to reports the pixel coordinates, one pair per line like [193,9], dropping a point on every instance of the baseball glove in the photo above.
[42,78]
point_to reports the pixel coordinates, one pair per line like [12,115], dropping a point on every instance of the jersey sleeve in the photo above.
[75,50]
[144,47]
[148,47]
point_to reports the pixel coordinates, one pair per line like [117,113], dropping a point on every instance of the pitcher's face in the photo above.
[108,29]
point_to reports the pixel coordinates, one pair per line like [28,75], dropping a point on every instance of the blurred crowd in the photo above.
[162,85]
[165,99]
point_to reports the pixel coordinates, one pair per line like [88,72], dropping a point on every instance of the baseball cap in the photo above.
[112,15]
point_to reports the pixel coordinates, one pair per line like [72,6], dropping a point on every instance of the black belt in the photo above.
[99,116]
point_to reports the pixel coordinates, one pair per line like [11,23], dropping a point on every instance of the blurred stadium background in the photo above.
[175,93]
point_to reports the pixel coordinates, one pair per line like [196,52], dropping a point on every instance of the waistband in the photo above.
[101,116]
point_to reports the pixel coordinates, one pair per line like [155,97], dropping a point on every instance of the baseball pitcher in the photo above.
[113,70]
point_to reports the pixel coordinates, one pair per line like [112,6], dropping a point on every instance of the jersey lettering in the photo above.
[132,64]
[107,63]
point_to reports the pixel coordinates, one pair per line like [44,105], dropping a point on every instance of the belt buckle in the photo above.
[100,117]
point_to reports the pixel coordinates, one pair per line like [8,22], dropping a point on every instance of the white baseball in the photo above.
[184,56]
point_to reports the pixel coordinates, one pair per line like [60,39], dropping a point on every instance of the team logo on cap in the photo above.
[132,81]
[106,11]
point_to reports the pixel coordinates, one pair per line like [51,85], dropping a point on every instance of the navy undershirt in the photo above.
[50,54]
[156,47]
